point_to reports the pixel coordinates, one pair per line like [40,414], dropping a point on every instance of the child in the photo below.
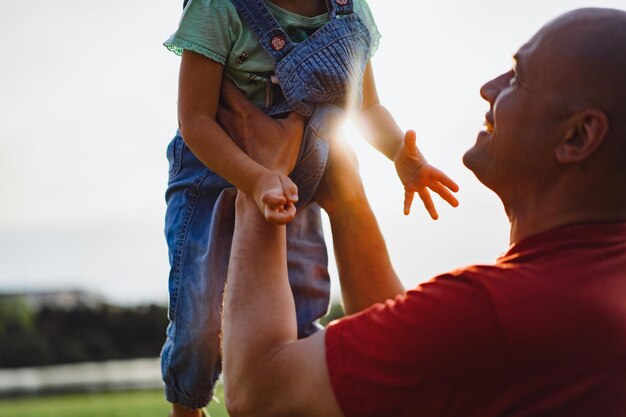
[306,56]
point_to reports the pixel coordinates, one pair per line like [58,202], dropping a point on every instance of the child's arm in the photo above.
[199,88]
[381,130]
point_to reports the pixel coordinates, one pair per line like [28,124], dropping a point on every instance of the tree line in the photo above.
[53,335]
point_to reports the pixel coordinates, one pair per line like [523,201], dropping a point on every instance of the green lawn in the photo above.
[116,404]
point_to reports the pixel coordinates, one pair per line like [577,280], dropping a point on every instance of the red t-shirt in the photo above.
[540,333]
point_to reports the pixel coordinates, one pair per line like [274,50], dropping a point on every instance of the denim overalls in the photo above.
[317,77]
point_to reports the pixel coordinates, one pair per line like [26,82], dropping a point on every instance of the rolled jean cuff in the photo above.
[175,397]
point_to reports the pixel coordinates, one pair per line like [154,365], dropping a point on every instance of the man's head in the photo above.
[556,127]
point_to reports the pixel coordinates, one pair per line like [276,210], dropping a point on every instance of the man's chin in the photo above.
[476,160]
[473,156]
[470,158]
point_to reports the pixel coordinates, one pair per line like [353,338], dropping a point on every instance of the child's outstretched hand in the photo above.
[276,195]
[418,176]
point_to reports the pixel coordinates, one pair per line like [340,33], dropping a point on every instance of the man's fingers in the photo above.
[224,116]
[408,200]
[293,123]
[234,99]
[428,203]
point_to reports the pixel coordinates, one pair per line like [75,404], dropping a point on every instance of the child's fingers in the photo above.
[289,212]
[410,140]
[273,199]
[439,176]
[444,193]
[282,216]
[408,200]
[289,188]
[278,203]
[428,202]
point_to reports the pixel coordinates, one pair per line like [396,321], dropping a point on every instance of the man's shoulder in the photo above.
[477,275]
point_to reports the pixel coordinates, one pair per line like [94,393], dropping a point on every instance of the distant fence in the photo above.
[92,376]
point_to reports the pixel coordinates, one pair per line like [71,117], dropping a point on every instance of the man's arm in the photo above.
[267,371]
[365,271]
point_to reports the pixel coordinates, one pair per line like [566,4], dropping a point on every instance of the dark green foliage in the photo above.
[335,312]
[53,336]
[49,336]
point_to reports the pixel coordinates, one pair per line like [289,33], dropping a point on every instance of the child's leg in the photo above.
[307,262]
[200,214]
[306,250]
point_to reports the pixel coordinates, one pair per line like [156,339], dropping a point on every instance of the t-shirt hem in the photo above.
[375,43]
[177,45]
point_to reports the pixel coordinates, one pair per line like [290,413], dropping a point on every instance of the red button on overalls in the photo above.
[278,43]
[341,2]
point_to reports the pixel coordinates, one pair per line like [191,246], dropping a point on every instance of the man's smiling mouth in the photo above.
[488,126]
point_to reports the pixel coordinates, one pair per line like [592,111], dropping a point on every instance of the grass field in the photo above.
[116,404]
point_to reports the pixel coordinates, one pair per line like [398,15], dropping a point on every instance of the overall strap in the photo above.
[339,7]
[271,36]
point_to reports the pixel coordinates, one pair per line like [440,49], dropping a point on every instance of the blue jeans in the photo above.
[199,226]
[325,68]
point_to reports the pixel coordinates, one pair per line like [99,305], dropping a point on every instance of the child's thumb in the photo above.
[410,139]
[290,189]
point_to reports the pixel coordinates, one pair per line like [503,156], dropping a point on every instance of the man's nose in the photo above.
[492,89]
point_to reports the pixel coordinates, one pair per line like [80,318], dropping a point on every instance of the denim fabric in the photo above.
[325,68]
[199,220]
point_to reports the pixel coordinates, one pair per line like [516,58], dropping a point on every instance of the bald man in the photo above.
[542,332]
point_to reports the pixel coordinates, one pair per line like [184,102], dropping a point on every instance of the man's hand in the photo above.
[417,176]
[274,143]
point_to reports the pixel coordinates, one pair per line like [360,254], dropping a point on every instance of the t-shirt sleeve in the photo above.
[206,27]
[417,354]
[363,10]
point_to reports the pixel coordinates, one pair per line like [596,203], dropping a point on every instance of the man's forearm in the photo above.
[365,270]
[259,314]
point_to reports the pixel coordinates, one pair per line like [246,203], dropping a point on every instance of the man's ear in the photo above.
[586,132]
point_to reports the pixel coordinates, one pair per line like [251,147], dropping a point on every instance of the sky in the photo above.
[88,106]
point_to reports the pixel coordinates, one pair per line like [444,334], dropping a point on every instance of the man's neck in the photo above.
[524,226]
[568,200]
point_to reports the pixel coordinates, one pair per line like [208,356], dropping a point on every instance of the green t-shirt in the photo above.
[214,29]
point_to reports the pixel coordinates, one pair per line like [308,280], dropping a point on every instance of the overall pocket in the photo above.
[174,154]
